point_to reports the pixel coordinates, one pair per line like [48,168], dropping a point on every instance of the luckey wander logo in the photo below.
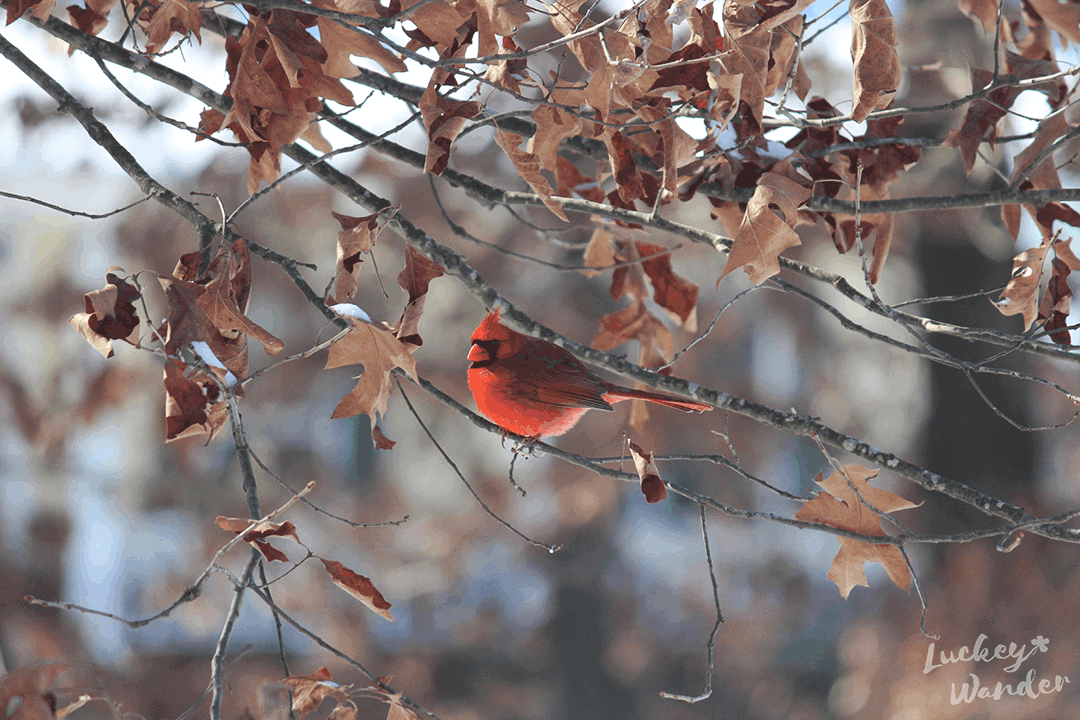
[1014,658]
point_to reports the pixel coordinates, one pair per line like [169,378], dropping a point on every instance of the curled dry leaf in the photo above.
[258,534]
[985,11]
[356,237]
[344,711]
[839,506]
[747,51]
[528,167]
[71,707]
[1054,308]
[379,352]
[380,441]
[652,485]
[359,587]
[873,50]
[193,405]
[768,226]
[623,167]
[414,279]
[211,308]
[444,119]
[675,294]
[309,691]
[110,314]
[1021,295]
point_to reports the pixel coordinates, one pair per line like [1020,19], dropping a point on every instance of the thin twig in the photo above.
[454,467]
[716,626]
[78,213]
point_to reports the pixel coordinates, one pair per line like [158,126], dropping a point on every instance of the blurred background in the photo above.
[97,510]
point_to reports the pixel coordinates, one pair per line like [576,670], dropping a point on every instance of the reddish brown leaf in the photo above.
[1054,308]
[359,587]
[623,167]
[652,485]
[86,19]
[259,533]
[840,507]
[985,11]
[498,17]
[110,314]
[379,352]
[414,279]
[552,127]
[381,441]
[15,8]
[675,294]
[309,691]
[508,73]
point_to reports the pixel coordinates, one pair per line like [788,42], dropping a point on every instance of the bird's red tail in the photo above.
[620,393]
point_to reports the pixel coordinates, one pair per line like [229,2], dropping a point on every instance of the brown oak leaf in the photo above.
[341,42]
[379,352]
[840,506]
[768,226]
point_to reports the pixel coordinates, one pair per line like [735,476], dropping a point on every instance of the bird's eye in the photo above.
[483,353]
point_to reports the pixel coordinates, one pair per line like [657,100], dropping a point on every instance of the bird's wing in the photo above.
[561,381]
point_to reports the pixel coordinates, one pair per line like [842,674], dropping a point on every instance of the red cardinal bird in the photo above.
[536,389]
